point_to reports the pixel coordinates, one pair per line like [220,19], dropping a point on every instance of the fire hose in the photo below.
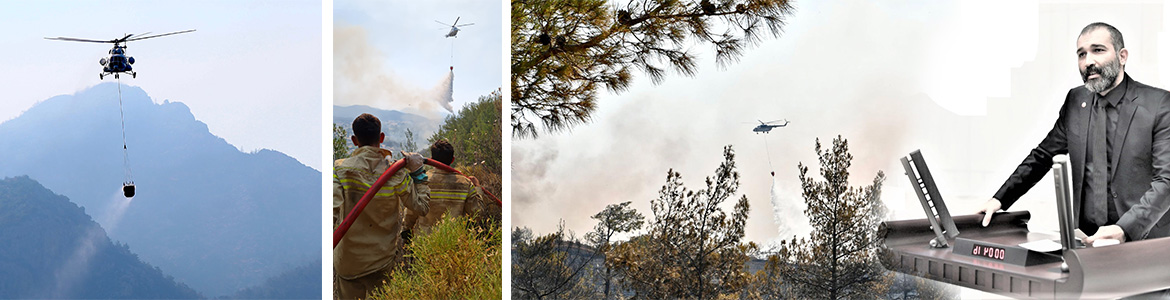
[357,209]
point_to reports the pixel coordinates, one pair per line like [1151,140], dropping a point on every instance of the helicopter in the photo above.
[454,27]
[118,62]
[766,127]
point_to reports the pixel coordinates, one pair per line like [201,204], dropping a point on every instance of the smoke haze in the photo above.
[684,123]
[361,78]
[866,71]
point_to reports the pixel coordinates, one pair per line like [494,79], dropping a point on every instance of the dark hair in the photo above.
[1118,41]
[367,128]
[443,152]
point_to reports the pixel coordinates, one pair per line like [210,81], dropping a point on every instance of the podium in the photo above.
[1000,266]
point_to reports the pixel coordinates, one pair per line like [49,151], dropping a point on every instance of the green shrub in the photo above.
[455,261]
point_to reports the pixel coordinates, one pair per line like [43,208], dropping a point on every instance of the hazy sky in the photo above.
[251,71]
[975,85]
[400,43]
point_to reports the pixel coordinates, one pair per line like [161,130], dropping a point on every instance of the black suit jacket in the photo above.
[1141,156]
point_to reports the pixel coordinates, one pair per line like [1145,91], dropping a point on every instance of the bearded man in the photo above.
[1116,132]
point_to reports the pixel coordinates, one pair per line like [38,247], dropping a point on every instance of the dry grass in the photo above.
[455,261]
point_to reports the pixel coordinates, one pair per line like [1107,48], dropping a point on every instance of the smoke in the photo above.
[572,176]
[361,78]
[77,265]
[835,88]
[532,165]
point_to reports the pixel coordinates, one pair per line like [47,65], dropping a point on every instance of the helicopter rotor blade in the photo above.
[444,24]
[128,36]
[140,34]
[159,35]
[456,21]
[69,39]
[468,24]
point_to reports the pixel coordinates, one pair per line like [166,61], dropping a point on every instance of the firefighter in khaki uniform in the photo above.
[452,195]
[373,247]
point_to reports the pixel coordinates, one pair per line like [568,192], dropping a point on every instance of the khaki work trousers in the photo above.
[358,288]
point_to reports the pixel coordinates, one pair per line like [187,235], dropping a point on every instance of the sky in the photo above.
[393,54]
[974,85]
[251,71]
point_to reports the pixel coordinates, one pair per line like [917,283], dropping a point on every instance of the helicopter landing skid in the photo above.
[117,75]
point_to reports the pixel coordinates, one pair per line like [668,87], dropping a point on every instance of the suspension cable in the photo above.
[769,153]
[125,151]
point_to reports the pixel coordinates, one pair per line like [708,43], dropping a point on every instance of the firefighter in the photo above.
[452,195]
[373,246]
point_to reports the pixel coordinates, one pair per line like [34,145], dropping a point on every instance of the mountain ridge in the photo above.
[54,249]
[394,123]
[211,215]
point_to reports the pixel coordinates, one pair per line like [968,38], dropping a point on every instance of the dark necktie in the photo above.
[1111,118]
[1095,207]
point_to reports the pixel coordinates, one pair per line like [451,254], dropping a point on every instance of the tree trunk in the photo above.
[607,276]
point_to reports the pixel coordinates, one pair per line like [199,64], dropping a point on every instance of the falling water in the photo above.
[78,264]
[788,211]
[446,91]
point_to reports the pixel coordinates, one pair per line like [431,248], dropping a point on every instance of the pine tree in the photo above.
[409,144]
[693,249]
[550,266]
[564,51]
[839,259]
[340,142]
[614,219]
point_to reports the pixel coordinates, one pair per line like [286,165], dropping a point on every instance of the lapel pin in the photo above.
[1082,104]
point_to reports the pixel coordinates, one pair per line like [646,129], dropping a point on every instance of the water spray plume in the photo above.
[789,215]
[446,91]
[89,244]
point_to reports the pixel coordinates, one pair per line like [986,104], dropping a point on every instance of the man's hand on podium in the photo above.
[1111,232]
[993,205]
